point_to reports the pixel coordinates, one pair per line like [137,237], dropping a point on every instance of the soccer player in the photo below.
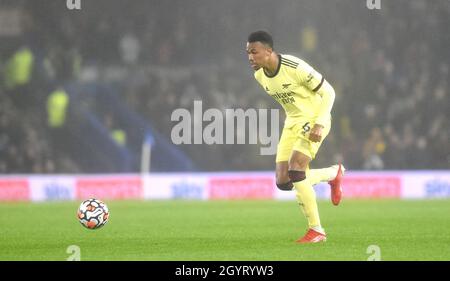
[307,99]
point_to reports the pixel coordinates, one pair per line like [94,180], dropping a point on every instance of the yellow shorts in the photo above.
[296,137]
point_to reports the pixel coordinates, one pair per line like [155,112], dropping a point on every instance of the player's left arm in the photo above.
[314,81]
[327,93]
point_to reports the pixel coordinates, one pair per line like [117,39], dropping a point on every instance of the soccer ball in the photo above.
[93,213]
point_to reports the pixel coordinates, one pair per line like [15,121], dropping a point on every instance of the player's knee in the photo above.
[282,174]
[282,177]
[285,186]
[297,176]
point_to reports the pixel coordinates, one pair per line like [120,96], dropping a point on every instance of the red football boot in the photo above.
[336,189]
[312,236]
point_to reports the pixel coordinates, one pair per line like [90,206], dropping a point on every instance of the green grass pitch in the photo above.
[227,230]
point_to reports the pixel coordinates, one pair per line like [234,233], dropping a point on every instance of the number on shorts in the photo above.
[306,128]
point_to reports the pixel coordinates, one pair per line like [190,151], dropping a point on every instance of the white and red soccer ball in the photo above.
[93,213]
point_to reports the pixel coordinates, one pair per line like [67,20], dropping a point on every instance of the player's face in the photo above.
[258,54]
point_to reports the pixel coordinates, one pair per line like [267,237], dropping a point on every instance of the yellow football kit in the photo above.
[307,99]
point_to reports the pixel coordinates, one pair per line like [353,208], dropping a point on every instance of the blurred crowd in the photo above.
[26,145]
[389,67]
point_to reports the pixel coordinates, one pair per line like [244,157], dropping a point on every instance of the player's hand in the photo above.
[316,133]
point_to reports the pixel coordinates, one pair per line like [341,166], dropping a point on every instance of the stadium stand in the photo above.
[392,103]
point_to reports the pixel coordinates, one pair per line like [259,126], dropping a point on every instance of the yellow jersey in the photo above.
[301,91]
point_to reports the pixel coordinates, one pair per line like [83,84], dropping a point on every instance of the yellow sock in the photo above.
[318,175]
[306,198]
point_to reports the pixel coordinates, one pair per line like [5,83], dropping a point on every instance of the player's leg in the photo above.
[303,152]
[284,150]
[333,175]
[306,196]
[335,185]
[286,177]
[282,176]
[330,174]
[311,149]
[324,174]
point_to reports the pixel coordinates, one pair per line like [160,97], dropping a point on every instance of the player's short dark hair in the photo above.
[261,36]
